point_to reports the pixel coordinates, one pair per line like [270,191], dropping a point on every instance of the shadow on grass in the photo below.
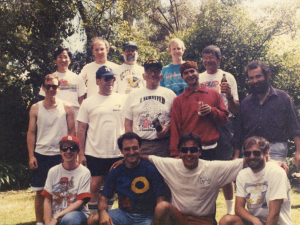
[295,206]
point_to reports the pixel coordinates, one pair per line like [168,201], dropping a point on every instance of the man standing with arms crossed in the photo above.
[100,49]
[171,75]
[264,187]
[49,120]
[129,74]
[212,78]
[102,113]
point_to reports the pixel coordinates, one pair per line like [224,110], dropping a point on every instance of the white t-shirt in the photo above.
[214,81]
[71,87]
[106,125]
[129,77]
[195,192]
[143,106]
[260,188]
[88,73]
[64,187]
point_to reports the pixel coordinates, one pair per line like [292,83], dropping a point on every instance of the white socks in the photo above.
[93,207]
[229,206]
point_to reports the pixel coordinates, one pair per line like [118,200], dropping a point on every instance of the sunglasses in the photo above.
[72,148]
[48,86]
[154,71]
[255,153]
[191,149]
[134,148]
[109,78]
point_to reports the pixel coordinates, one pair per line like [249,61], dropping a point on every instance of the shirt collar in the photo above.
[271,93]
[188,92]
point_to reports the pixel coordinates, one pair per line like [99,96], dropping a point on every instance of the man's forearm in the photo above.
[30,144]
[274,211]
[233,106]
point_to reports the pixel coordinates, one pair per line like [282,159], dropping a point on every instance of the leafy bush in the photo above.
[14,176]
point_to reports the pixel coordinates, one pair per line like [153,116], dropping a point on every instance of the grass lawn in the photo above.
[17,207]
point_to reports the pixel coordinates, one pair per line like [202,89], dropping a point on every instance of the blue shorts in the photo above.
[119,217]
[39,176]
[98,166]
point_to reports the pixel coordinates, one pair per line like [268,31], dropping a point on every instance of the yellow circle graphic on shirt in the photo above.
[137,190]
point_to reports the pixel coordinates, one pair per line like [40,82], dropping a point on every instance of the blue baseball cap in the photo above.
[104,71]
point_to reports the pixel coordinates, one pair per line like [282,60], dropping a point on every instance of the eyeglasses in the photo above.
[72,148]
[134,148]
[130,49]
[109,78]
[191,149]
[255,153]
[209,57]
[157,72]
[189,71]
[48,86]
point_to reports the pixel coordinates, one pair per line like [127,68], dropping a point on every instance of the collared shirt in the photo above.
[185,116]
[276,119]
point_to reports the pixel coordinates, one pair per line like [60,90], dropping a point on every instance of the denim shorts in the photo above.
[278,151]
[119,217]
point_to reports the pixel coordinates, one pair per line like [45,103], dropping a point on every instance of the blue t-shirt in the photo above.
[172,79]
[137,188]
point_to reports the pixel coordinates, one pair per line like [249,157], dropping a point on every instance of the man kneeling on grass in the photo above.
[67,187]
[138,184]
[263,186]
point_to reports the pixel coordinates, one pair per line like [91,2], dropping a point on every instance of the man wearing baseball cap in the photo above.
[147,111]
[199,110]
[129,74]
[67,187]
[102,114]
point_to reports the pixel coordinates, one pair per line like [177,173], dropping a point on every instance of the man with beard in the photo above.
[263,186]
[129,74]
[268,113]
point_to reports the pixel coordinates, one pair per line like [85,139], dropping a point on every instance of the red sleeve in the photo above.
[83,196]
[219,112]
[46,194]
[175,127]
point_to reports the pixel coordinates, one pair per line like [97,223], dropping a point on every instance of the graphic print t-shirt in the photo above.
[144,107]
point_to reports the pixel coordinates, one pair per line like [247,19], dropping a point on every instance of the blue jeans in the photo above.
[119,217]
[278,151]
[74,218]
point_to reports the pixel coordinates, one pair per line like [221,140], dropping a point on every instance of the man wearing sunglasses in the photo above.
[264,187]
[147,111]
[101,114]
[129,74]
[138,184]
[49,120]
[67,188]
[194,183]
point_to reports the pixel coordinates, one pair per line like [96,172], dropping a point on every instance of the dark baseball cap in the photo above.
[129,44]
[152,62]
[104,71]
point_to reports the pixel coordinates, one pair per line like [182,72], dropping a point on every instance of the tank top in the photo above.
[51,127]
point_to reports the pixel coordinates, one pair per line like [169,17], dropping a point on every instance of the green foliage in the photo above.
[13,176]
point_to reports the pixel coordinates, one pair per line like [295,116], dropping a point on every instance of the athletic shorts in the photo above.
[99,166]
[39,176]
[158,147]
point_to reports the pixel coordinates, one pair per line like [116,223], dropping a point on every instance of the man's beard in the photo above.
[130,58]
[260,87]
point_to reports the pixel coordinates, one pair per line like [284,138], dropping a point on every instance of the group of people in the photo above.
[164,130]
